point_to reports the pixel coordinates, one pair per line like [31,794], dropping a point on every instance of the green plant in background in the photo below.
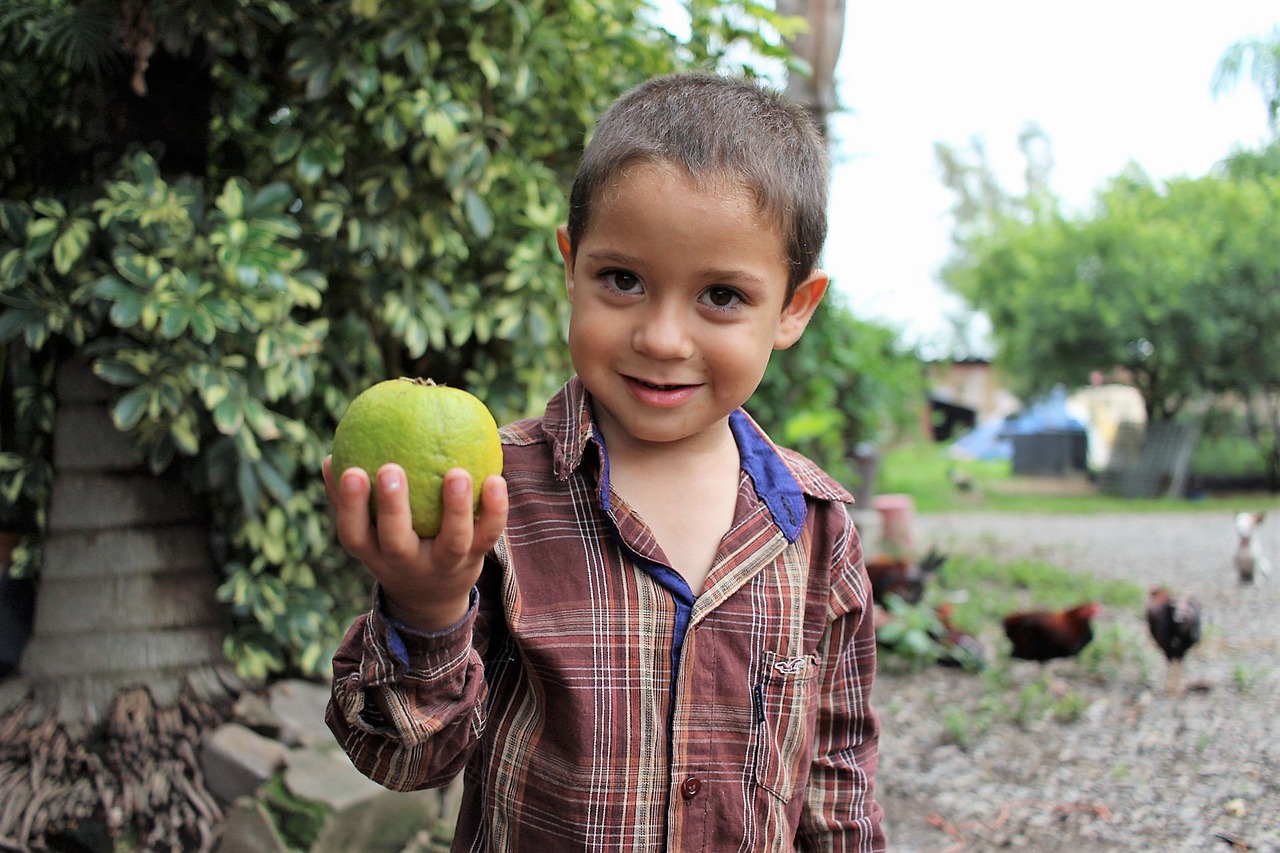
[240,215]
[844,382]
[909,635]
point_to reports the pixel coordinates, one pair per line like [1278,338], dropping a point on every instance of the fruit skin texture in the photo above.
[426,429]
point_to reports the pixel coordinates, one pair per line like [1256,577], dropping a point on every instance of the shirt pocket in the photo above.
[781,699]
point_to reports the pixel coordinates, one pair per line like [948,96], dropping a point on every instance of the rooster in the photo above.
[1042,635]
[902,577]
[1175,626]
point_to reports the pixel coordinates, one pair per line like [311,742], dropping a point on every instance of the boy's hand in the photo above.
[426,583]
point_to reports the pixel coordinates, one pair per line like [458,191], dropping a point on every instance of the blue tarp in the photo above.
[992,438]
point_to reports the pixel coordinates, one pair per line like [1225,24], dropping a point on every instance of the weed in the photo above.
[960,727]
[1069,707]
[1243,676]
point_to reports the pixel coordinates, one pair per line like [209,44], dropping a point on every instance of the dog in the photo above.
[1249,559]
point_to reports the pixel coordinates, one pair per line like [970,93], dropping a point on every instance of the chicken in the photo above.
[1042,635]
[901,576]
[1249,558]
[1175,626]
[959,649]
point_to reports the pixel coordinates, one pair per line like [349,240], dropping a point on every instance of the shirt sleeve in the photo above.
[841,813]
[406,706]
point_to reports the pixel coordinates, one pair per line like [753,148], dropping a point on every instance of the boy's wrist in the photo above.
[428,618]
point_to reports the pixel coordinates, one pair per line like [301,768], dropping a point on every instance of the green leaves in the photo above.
[395,218]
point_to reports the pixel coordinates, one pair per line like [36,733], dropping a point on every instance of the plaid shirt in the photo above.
[597,705]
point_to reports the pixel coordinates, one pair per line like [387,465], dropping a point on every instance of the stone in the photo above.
[326,776]
[249,829]
[237,760]
[300,705]
[385,824]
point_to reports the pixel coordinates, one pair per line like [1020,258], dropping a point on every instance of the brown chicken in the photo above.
[1175,626]
[902,577]
[1043,635]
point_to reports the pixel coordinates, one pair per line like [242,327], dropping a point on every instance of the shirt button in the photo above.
[690,787]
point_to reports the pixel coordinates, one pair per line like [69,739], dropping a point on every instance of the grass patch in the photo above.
[925,472]
[982,590]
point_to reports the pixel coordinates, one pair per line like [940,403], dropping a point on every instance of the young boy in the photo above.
[657,633]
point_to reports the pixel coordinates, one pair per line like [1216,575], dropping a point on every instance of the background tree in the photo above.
[1258,59]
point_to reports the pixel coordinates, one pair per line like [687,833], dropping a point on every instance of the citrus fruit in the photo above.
[425,428]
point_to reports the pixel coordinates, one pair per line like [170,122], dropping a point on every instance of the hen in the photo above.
[1042,635]
[902,577]
[1175,626]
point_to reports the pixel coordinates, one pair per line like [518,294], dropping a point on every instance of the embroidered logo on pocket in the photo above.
[790,666]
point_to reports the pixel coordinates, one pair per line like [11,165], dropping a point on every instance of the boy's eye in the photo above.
[622,281]
[721,297]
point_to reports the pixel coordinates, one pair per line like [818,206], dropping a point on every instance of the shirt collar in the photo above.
[782,478]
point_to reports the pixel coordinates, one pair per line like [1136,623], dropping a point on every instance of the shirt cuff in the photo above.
[397,631]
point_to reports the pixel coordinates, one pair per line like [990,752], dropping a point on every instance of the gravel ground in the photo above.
[1137,770]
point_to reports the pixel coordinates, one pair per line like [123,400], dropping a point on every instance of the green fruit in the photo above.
[425,428]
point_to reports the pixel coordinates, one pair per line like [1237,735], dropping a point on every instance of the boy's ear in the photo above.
[796,313]
[566,252]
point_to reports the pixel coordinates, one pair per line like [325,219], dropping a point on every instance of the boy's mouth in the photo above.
[659,386]
[661,394]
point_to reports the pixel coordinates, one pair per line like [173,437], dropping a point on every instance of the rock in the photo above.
[237,760]
[299,705]
[252,711]
[249,829]
[326,776]
[385,824]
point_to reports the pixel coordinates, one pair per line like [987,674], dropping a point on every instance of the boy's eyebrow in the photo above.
[729,276]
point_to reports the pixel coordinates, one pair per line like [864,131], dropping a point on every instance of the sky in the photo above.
[1109,83]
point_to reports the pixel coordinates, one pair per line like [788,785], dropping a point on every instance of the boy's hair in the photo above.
[717,128]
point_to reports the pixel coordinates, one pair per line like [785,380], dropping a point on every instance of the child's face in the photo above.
[677,302]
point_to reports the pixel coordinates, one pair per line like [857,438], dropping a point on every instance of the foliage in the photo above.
[241,213]
[1174,288]
[1258,58]
[844,382]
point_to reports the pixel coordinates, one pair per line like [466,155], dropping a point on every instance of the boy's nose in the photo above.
[662,334]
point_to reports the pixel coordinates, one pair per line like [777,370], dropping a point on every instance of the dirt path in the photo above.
[1135,770]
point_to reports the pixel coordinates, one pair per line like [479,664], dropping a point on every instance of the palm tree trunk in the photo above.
[124,670]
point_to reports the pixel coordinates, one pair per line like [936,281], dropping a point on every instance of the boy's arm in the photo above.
[407,695]
[406,706]
[841,813]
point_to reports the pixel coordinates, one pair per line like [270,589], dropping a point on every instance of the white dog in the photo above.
[1250,560]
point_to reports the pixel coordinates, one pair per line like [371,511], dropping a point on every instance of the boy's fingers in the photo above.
[350,496]
[493,512]
[396,537]
[456,520]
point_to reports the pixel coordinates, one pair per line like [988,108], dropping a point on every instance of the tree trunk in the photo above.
[124,670]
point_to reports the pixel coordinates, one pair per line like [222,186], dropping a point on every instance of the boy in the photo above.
[662,639]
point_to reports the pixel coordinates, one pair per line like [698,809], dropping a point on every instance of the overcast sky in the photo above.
[1109,83]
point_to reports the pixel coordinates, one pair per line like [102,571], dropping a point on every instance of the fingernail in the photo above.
[349,481]
[391,481]
[458,485]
